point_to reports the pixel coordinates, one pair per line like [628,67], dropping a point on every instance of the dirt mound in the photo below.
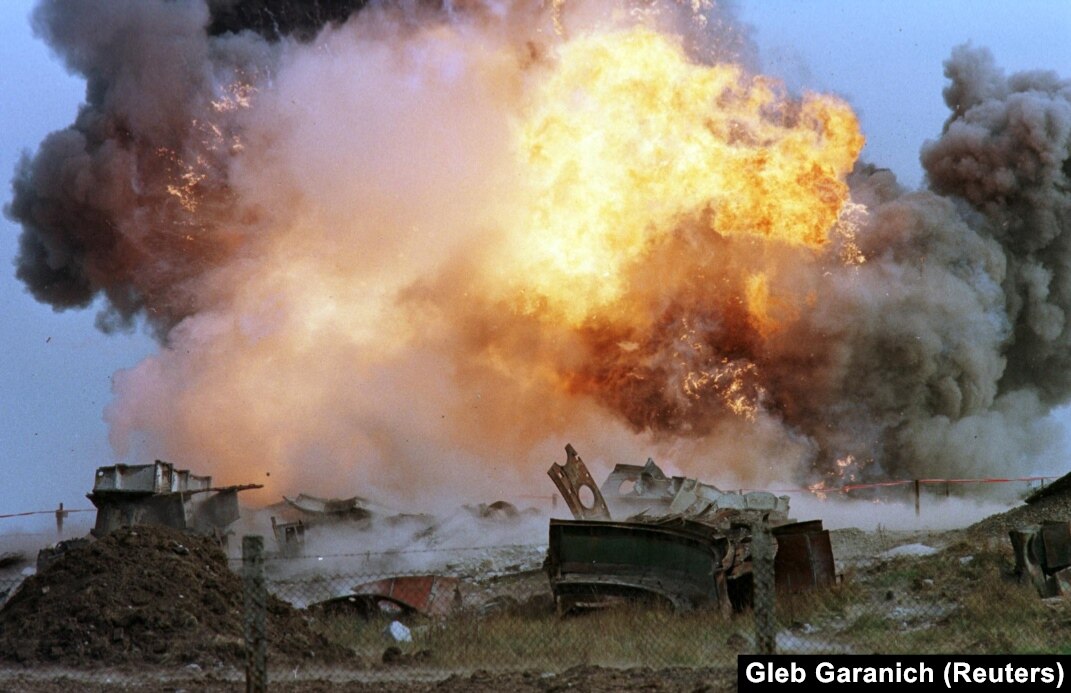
[145,595]
[1052,508]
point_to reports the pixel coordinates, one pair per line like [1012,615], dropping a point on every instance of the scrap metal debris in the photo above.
[804,558]
[159,494]
[573,480]
[434,596]
[634,489]
[1043,557]
[289,536]
[685,542]
[330,509]
[304,511]
[594,563]
[430,595]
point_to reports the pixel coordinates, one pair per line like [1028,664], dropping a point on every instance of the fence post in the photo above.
[254,620]
[61,515]
[762,572]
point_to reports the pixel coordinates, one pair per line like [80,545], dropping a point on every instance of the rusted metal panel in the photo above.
[1043,556]
[1056,542]
[591,563]
[804,558]
[572,478]
[431,595]
[1061,582]
[1030,559]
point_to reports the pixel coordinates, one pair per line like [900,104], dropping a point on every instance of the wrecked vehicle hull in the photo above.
[594,563]
[689,546]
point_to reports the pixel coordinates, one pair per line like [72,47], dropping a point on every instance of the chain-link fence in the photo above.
[391,625]
[963,600]
[408,626]
[487,618]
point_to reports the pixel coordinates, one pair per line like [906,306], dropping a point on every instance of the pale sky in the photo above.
[56,368]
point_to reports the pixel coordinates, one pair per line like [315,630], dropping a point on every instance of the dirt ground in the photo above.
[586,678]
[156,609]
[143,596]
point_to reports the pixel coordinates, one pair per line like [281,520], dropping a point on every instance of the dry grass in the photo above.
[623,636]
[961,600]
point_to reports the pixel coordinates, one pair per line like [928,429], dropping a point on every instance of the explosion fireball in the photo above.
[394,243]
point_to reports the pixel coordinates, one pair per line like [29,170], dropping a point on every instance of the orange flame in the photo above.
[625,138]
[602,226]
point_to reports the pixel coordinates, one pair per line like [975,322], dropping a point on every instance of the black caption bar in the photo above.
[904,672]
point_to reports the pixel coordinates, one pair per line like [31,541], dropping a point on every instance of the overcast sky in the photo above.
[56,368]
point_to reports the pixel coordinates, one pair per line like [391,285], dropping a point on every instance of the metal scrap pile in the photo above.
[309,511]
[683,541]
[162,495]
[1043,557]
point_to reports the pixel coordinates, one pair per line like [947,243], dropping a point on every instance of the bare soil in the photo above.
[589,679]
[143,596]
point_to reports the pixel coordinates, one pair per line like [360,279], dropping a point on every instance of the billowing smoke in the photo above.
[418,248]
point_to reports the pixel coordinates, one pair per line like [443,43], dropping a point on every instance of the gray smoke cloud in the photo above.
[944,351]
[230,149]
[130,201]
[1006,151]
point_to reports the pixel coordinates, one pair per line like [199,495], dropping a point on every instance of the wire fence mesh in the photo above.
[363,619]
[964,600]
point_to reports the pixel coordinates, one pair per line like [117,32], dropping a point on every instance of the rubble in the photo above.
[685,542]
[53,551]
[435,596]
[330,510]
[291,519]
[646,489]
[1043,557]
[161,494]
[429,595]
[575,484]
